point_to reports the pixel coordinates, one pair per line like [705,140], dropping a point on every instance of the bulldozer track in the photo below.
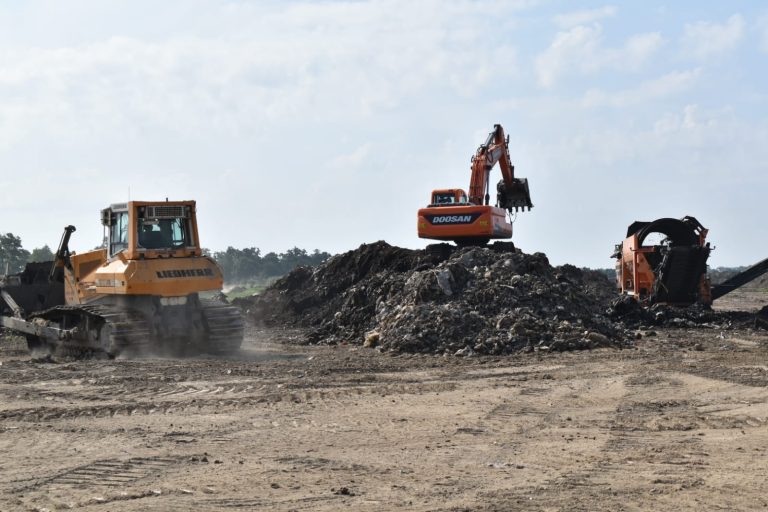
[127,330]
[224,327]
[114,331]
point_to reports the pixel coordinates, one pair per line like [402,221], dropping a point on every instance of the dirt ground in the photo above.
[679,422]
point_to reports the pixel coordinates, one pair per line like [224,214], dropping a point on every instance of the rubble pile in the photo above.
[444,300]
[630,313]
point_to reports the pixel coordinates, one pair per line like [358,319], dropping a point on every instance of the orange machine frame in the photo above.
[138,271]
[462,221]
[471,219]
[635,275]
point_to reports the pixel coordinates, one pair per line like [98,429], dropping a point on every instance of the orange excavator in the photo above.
[470,219]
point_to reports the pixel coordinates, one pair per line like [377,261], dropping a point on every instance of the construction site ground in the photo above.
[679,422]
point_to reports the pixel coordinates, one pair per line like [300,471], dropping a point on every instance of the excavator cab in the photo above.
[447,197]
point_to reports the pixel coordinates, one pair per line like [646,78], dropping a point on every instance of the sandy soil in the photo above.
[678,423]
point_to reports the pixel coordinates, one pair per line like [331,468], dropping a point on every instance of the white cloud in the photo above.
[705,39]
[697,140]
[257,108]
[692,119]
[275,63]
[637,50]
[666,85]
[568,48]
[763,27]
[689,160]
[570,19]
[580,49]
[353,159]
[306,96]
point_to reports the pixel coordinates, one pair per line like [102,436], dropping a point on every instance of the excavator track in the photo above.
[100,330]
[224,325]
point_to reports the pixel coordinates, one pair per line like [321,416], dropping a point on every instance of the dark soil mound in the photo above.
[633,315]
[492,300]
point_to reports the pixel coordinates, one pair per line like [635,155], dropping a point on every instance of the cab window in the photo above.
[163,233]
[118,236]
[444,199]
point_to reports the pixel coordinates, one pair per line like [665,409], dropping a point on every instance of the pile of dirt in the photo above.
[630,313]
[444,300]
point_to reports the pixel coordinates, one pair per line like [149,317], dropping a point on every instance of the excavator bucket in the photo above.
[514,196]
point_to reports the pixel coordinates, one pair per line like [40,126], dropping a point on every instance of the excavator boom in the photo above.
[513,193]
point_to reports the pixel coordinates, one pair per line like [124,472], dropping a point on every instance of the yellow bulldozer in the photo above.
[140,293]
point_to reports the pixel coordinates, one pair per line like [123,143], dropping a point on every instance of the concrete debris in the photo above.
[444,300]
[633,315]
[372,339]
[465,302]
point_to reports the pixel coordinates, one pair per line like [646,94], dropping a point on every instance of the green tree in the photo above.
[248,264]
[12,255]
[43,253]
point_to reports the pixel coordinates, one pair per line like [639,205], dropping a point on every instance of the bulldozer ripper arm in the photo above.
[62,253]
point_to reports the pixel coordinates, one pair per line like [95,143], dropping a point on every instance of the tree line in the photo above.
[249,265]
[238,265]
[13,256]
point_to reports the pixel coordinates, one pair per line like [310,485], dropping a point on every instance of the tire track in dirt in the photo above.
[202,399]
[104,473]
[664,453]
[306,503]
[653,425]
[748,375]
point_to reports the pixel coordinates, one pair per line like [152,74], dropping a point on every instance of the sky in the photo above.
[326,124]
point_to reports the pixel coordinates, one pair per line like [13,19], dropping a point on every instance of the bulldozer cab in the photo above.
[141,230]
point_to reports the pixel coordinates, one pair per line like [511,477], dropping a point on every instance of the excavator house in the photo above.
[452,215]
[141,293]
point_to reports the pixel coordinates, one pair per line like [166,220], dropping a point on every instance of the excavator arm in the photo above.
[511,192]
